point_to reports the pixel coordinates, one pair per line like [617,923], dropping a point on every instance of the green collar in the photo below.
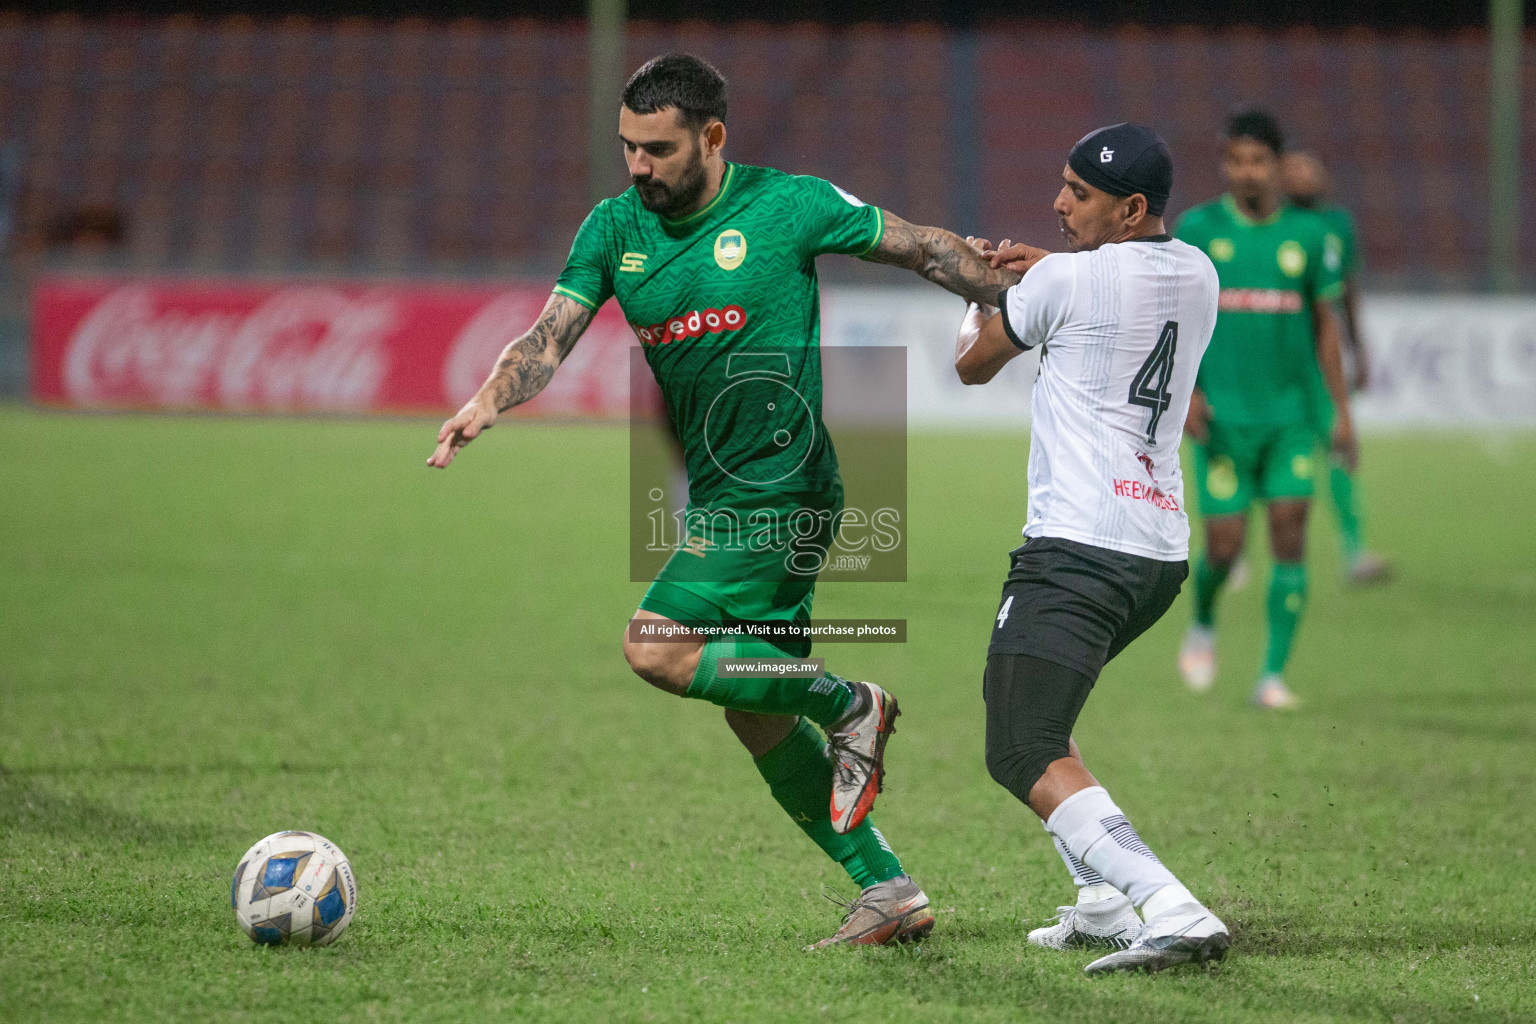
[1242,218]
[725,184]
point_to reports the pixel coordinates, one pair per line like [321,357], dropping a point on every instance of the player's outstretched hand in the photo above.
[463,427]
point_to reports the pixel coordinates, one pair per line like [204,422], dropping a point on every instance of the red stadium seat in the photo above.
[407,145]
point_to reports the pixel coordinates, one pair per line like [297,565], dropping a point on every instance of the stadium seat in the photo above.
[365,144]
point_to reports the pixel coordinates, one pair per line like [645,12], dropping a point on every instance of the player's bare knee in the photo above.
[1224,540]
[1288,530]
[1289,549]
[1223,552]
[657,664]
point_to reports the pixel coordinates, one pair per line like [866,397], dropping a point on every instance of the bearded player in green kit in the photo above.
[1252,414]
[713,265]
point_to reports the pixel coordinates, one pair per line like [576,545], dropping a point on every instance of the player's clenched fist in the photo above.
[463,427]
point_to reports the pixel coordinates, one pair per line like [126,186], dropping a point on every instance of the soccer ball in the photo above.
[294,887]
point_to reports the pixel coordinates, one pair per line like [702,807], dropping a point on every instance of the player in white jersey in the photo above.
[1122,321]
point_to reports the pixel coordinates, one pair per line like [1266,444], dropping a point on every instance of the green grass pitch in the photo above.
[211,629]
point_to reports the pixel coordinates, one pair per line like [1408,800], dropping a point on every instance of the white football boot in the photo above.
[857,746]
[1109,922]
[1272,694]
[1197,658]
[1367,568]
[1183,934]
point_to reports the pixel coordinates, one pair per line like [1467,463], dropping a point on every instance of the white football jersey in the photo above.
[1123,329]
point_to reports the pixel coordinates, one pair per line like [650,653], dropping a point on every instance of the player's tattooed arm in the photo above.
[944,258]
[523,370]
[982,347]
[527,364]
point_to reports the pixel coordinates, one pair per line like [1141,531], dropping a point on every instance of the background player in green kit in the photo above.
[1305,181]
[713,264]
[1252,418]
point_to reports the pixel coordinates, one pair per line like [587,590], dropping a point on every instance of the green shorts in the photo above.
[1241,464]
[729,583]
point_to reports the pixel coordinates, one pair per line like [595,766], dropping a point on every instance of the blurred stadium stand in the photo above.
[458,148]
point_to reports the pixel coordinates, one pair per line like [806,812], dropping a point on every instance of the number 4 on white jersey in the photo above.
[1002,613]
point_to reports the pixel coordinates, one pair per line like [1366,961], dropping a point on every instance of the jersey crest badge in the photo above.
[632,263]
[1222,250]
[730,249]
[1292,258]
[1333,252]
[1221,478]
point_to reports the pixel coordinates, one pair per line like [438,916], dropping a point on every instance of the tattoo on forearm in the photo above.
[943,258]
[519,376]
[527,364]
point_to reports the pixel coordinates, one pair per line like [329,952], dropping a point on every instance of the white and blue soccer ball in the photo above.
[294,887]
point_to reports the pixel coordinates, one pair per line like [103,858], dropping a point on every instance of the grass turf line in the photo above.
[211,629]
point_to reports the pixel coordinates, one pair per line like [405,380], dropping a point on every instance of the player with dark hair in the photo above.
[1121,322]
[713,264]
[1251,417]
[1307,186]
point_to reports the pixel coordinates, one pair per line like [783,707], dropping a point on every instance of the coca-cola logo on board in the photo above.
[302,347]
[480,342]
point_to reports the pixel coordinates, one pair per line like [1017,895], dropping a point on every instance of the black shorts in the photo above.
[1079,605]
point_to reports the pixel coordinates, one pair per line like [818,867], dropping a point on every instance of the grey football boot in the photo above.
[1186,933]
[886,912]
[1109,923]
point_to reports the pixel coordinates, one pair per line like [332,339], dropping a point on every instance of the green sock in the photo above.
[1341,487]
[1287,598]
[800,778]
[821,700]
[1208,581]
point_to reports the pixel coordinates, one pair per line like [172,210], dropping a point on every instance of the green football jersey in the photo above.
[1262,357]
[726,305]
[1342,224]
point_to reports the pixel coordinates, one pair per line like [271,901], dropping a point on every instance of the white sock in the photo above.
[1087,894]
[1091,887]
[1081,873]
[1096,833]
[1165,899]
